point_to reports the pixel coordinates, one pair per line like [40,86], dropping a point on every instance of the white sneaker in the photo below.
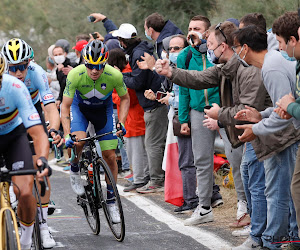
[76,183]
[247,245]
[113,211]
[241,209]
[242,232]
[200,216]
[47,239]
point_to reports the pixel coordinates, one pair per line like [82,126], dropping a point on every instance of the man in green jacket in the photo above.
[191,108]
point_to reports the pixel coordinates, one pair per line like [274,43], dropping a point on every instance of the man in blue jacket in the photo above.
[156,28]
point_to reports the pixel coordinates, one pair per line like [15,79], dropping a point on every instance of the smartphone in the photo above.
[94,35]
[191,38]
[91,19]
[207,107]
[160,95]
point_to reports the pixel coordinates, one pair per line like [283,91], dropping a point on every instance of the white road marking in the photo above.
[205,238]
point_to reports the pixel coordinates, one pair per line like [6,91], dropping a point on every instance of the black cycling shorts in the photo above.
[15,149]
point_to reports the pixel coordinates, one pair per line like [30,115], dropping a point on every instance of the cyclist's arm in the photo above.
[124,107]
[53,115]
[65,114]
[48,100]
[40,140]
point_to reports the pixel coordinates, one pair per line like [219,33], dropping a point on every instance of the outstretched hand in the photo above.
[162,67]
[284,102]
[248,134]
[249,114]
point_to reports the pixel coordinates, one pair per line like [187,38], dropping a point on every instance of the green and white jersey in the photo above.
[97,93]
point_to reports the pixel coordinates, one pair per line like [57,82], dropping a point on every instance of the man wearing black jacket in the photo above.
[63,67]
[155,114]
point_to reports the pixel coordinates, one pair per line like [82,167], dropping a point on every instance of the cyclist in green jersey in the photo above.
[88,98]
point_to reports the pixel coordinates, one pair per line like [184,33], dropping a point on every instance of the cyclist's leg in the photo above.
[19,157]
[109,142]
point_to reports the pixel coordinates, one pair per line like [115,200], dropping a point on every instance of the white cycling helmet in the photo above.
[16,50]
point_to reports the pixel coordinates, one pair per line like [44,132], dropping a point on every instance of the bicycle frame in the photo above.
[5,205]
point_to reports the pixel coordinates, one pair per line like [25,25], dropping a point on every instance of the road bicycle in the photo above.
[9,232]
[95,173]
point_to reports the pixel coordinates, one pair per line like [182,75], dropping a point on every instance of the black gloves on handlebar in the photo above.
[45,165]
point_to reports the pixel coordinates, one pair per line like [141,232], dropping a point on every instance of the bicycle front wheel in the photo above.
[11,236]
[117,228]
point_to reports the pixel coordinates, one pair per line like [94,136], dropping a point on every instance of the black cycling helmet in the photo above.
[95,52]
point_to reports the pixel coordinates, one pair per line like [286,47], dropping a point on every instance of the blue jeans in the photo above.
[253,176]
[280,221]
[125,161]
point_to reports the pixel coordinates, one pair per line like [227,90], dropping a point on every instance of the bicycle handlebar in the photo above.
[91,138]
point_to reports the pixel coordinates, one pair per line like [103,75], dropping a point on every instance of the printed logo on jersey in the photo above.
[48,97]
[18,165]
[2,110]
[34,117]
[103,86]
[2,101]
[28,82]
[30,67]
[17,85]
[45,81]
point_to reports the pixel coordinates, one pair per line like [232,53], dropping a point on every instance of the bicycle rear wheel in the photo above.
[10,234]
[118,229]
[89,204]
[36,235]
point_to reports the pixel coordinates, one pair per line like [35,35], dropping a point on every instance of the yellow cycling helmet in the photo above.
[16,50]
[95,52]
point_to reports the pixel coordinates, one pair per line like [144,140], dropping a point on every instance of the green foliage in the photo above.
[42,22]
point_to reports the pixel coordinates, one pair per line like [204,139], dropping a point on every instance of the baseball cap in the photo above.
[80,45]
[125,31]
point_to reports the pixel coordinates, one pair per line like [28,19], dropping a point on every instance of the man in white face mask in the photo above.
[191,109]
[63,68]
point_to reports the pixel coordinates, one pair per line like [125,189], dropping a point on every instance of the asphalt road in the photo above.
[149,225]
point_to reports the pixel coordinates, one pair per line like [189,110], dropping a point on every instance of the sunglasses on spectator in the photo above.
[20,67]
[218,27]
[175,48]
[95,66]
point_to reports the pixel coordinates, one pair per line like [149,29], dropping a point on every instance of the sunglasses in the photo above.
[20,67]
[175,48]
[218,27]
[95,66]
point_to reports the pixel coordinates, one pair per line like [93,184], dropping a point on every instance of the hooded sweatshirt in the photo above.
[141,80]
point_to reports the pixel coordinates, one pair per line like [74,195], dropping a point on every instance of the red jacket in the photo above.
[135,124]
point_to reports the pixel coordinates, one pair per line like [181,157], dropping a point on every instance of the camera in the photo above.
[91,19]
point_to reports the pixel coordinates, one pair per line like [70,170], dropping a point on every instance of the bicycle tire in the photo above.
[90,206]
[118,229]
[11,242]
[36,235]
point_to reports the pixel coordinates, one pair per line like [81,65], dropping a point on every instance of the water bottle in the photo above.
[90,172]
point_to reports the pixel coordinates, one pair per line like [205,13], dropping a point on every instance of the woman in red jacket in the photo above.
[135,126]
